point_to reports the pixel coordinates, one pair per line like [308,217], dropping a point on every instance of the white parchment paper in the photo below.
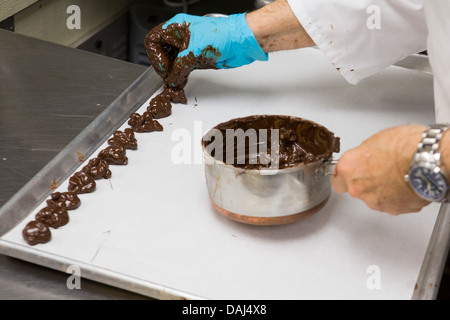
[153,222]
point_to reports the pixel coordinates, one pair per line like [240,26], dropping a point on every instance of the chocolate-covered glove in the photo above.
[188,42]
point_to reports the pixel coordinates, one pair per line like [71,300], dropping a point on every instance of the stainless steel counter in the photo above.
[48,95]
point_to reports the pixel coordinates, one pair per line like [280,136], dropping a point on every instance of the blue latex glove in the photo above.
[207,43]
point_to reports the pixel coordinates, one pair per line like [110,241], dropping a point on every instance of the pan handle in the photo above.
[326,169]
[329,166]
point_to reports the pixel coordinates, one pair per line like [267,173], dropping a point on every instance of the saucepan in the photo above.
[285,189]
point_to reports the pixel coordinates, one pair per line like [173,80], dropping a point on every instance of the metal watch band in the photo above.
[430,141]
[428,149]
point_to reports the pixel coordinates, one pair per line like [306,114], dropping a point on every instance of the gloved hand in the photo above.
[186,42]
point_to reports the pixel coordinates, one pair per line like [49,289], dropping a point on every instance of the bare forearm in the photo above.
[276,28]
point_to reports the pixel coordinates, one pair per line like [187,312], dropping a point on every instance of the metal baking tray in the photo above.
[32,195]
[62,167]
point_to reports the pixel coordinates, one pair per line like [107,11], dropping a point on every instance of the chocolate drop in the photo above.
[144,123]
[36,232]
[81,182]
[67,200]
[160,106]
[54,217]
[97,168]
[125,139]
[115,155]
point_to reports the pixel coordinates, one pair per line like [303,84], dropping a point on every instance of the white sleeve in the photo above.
[361,37]
[437,14]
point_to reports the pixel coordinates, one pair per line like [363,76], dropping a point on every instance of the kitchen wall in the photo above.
[50,19]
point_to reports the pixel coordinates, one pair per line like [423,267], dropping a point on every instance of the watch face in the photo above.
[428,184]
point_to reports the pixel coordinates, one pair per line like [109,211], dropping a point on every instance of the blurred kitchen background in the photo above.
[113,28]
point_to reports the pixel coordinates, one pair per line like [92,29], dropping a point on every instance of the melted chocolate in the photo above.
[160,106]
[300,141]
[114,155]
[97,168]
[182,68]
[67,200]
[176,95]
[81,182]
[125,139]
[54,217]
[36,232]
[144,123]
[163,46]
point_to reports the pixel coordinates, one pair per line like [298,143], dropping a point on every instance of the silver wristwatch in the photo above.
[425,175]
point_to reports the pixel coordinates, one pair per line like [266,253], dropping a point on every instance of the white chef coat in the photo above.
[437,14]
[346,32]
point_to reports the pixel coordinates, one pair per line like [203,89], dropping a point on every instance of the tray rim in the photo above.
[94,273]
